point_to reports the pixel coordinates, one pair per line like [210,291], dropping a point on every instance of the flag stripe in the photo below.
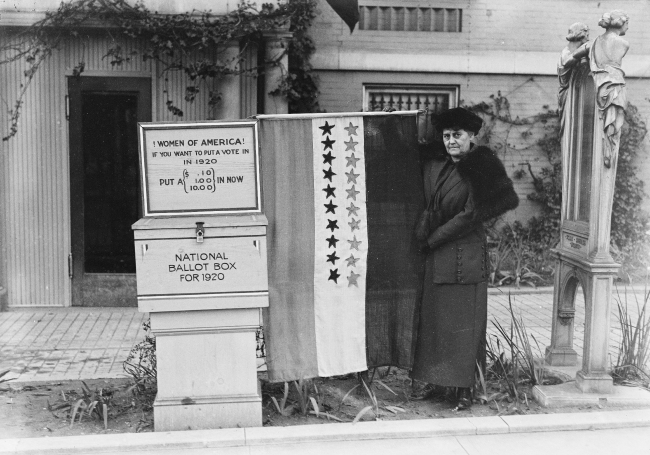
[395,200]
[340,244]
[288,196]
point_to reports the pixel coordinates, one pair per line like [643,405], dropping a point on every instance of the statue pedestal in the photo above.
[596,281]
[567,394]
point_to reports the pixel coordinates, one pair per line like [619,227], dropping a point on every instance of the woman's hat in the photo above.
[457,118]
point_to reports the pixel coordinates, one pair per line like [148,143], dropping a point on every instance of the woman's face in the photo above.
[457,142]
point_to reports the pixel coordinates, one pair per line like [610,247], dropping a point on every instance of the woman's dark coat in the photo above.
[453,314]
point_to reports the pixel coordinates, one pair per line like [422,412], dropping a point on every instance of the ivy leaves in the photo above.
[629,222]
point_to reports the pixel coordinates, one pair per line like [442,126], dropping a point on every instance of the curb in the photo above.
[403,429]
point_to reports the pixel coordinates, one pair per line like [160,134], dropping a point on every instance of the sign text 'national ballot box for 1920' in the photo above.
[199,168]
[221,265]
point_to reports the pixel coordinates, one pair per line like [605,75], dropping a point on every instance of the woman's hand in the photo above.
[423,246]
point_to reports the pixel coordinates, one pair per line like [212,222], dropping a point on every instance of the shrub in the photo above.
[141,365]
[634,351]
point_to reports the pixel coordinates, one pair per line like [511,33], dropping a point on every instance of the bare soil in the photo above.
[27,410]
[392,391]
[24,409]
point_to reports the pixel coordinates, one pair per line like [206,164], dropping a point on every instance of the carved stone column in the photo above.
[276,46]
[230,86]
[565,287]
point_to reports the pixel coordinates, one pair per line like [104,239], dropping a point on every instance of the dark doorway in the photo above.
[104,186]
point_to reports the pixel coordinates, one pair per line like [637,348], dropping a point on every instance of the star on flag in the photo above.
[349,145]
[332,224]
[328,174]
[328,157]
[352,210]
[330,207]
[354,243]
[352,279]
[332,258]
[334,275]
[352,261]
[352,193]
[352,130]
[329,191]
[352,177]
[327,128]
[352,160]
[328,143]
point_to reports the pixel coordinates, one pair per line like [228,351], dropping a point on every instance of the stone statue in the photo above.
[605,59]
[570,56]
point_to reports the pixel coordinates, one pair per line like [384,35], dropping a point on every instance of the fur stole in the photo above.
[492,189]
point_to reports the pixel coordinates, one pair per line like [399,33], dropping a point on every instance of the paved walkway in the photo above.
[59,344]
[536,311]
[73,343]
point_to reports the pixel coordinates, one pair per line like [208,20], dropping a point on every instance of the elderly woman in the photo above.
[464,188]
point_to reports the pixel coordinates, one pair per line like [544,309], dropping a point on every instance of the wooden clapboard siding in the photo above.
[34,165]
[35,231]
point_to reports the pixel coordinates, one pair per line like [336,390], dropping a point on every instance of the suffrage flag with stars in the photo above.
[342,193]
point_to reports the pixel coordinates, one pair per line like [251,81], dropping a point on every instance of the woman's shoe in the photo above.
[464,398]
[423,393]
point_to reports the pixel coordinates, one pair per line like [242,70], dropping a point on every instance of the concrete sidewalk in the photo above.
[52,344]
[592,433]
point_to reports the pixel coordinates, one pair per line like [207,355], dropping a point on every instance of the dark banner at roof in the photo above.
[348,10]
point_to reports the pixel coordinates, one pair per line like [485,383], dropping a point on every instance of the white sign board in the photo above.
[199,168]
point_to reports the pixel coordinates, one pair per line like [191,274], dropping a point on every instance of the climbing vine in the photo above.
[629,222]
[175,41]
[299,86]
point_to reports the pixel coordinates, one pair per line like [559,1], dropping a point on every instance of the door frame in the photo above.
[141,87]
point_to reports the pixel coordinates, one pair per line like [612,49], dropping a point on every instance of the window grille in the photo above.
[410,19]
[404,98]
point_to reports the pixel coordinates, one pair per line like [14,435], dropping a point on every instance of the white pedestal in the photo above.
[594,382]
[561,357]
[207,369]
[568,394]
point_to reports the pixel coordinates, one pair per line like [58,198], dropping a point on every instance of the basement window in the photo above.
[409,97]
